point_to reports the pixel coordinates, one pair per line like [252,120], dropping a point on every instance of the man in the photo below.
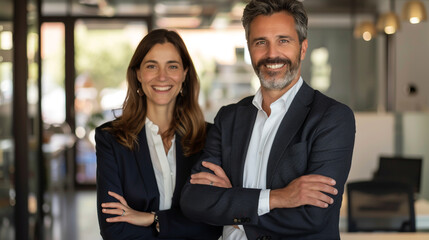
[275,165]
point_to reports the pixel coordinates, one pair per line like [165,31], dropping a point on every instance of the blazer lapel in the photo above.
[243,127]
[144,163]
[181,174]
[288,128]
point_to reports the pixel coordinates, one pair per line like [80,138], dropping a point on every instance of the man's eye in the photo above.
[260,43]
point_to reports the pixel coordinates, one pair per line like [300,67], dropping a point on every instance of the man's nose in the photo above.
[272,51]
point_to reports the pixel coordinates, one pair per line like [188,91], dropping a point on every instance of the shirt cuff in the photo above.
[264,202]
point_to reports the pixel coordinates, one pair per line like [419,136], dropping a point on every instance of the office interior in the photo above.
[62,73]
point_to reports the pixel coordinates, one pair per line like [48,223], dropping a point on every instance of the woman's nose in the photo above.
[162,74]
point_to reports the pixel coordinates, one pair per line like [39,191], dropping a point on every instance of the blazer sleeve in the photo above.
[173,224]
[109,179]
[328,152]
[214,205]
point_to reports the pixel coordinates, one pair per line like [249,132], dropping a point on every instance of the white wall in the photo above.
[415,138]
[374,137]
[412,66]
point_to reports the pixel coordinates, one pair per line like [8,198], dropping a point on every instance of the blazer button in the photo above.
[236,220]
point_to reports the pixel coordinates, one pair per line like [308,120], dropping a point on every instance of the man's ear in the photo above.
[304,46]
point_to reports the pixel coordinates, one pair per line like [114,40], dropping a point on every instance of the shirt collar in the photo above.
[151,126]
[154,129]
[285,100]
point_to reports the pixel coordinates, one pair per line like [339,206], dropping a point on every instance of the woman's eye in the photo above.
[174,67]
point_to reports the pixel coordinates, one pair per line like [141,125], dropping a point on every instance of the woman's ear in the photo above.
[184,74]
[138,74]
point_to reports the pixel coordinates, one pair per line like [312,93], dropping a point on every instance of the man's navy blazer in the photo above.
[316,136]
[130,174]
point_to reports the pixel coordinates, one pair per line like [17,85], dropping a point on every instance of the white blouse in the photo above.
[164,165]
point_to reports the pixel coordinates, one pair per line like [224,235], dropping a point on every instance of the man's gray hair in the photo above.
[267,7]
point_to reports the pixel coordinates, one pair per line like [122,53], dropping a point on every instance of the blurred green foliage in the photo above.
[104,54]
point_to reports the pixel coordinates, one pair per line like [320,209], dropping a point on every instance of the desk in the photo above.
[385,236]
[421,208]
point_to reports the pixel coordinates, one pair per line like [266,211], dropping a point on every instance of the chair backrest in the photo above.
[380,206]
[400,169]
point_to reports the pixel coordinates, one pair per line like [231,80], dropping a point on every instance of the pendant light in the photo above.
[365,30]
[389,23]
[414,11]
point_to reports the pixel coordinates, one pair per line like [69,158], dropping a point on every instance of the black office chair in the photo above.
[380,206]
[400,169]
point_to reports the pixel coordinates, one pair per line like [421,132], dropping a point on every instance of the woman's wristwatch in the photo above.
[155,221]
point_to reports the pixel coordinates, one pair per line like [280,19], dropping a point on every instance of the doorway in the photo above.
[84,63]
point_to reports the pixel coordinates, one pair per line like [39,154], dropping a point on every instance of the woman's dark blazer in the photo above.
[131,175]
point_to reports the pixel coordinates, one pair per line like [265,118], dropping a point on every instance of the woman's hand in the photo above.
[126,214]
[218,179]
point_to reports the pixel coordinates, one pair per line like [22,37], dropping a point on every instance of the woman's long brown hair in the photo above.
[188,120]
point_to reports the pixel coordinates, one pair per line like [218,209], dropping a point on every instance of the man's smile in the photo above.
[274,66]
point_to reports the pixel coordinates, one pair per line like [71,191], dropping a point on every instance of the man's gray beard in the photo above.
[280,83]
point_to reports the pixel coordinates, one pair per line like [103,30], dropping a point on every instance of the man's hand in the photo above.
[126,214]
[305,190]
[218,179]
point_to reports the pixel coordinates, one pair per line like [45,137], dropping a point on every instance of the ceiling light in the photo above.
[389,23]
[365,30]
[414,11]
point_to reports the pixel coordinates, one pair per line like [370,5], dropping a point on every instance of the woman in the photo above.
[145,156]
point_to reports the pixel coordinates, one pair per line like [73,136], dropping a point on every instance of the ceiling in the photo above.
[196,13]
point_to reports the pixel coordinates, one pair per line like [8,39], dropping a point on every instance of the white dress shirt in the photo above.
[255,167]
[164,165]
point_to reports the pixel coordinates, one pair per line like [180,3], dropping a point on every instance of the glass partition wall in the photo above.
[84,63]
[100,84]
[86,48]
[20,165]
[7,200]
